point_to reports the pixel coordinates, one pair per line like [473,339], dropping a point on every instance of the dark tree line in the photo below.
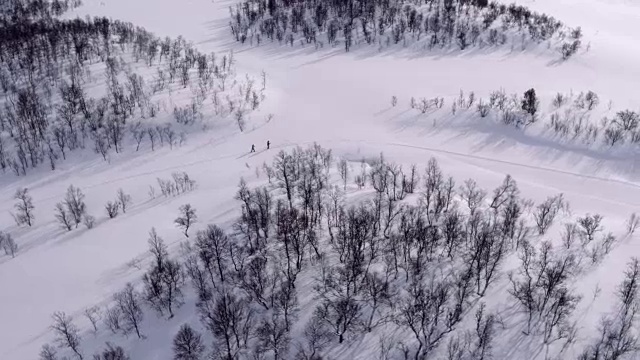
[435,23]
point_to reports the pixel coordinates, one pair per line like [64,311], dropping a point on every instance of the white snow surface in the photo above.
[341,101]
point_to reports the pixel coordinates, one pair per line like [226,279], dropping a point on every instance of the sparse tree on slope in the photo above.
[74,202]
[128,300]
[67,333]
[123,200]
[24,207]
[63,217]
[187,218]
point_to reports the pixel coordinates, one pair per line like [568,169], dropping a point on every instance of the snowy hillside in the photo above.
[417,200]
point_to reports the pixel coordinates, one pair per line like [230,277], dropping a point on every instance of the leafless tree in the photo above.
[163,282]
[67,333]
[541,287]
[212,247]
[589,226]
[93,315]
[484,334]
[472,195]
[163,286]
[128,300]
[423,311]
[138,135]
[112,209]
[74,203]
[89,221]
[502,194]
[9,244]
[153,135]
[230,320]
[569,234]
[378,295]
[188,344]
[48,352]
[618,338]
[285,171]
[111,353]
[273,336]
[186,219]
[24,207]
[343,168]
[123,199]
[546,212]
[632,223]
[112,319]
[316,338]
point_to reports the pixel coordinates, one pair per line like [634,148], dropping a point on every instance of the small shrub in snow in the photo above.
[112,209]
[592,100]
[589,226]
[559,100]
[483,109]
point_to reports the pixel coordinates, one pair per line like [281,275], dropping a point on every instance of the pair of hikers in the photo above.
[253,147]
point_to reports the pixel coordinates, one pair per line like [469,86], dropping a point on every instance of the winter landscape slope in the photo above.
[341,101]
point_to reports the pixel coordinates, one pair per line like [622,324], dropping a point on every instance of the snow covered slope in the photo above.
[341,101]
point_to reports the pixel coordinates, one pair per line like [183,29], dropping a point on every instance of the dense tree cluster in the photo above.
[47,65]
[13,11]
[418,255]
[431,23]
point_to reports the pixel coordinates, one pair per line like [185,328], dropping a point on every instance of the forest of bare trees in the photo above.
[432,24]
[47,64]
[418,256]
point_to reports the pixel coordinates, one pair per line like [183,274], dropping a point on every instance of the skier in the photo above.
[253,148]
[268,144]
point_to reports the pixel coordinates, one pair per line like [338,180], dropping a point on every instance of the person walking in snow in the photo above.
[268,144]
[253,148]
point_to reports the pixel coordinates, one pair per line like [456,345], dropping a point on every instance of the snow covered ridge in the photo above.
[100,84]
[421,25]
[331,258]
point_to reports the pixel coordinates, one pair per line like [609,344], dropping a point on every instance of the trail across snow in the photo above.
[342,102]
